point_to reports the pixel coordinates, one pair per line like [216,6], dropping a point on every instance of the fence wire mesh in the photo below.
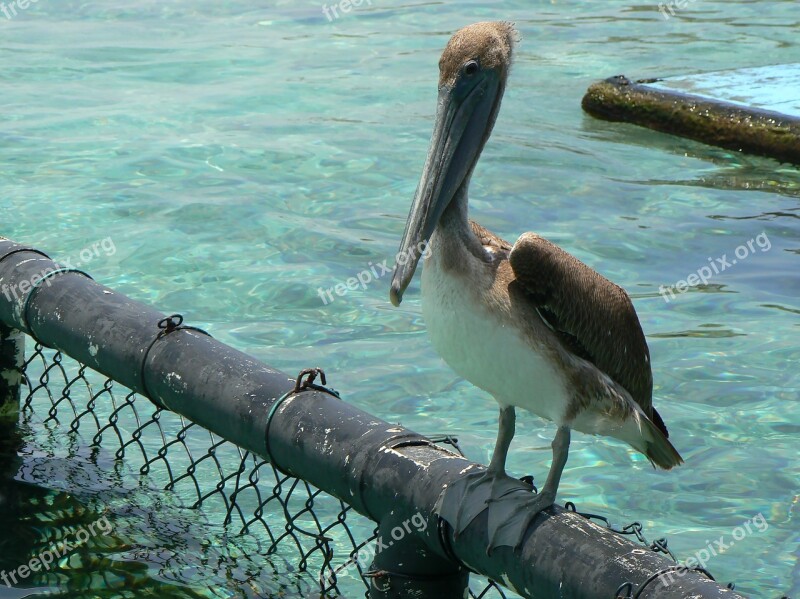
[312,543]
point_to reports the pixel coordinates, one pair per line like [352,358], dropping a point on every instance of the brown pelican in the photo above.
[528,323]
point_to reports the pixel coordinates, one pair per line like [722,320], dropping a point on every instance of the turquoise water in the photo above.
[242,157]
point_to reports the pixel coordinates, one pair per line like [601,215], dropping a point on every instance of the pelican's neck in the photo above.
[454,234]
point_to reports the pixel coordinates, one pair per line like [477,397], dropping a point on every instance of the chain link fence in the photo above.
[323,543]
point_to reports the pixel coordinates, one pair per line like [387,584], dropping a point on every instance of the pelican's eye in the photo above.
[471,67]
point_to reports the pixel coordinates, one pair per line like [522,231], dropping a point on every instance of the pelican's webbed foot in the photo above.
[462,501]
[509,520]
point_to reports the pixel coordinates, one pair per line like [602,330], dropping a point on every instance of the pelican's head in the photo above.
[472,78]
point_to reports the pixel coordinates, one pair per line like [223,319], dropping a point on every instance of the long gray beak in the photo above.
[462,117]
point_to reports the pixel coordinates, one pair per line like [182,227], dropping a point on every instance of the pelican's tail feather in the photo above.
[657,447]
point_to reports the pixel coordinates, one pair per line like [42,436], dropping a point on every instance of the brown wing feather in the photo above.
[488,238]
[594,317]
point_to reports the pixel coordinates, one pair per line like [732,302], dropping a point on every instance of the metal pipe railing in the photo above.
[385,472]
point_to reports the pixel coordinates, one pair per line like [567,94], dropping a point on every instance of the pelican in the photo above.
[530,324]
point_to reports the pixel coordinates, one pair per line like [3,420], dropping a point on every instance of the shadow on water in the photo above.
[108,534]
[737,171]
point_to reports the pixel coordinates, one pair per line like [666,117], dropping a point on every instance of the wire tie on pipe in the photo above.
[570,507]
[625,586]
[447,440]
[35,286]
[301,384]
[167,325]
[23,249]
[380,575]
[304,382]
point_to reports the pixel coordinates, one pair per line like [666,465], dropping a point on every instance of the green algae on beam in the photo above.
[731,126]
